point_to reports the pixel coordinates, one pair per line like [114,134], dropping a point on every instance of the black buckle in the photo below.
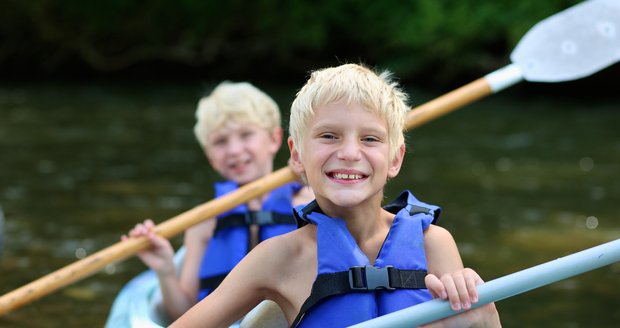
[259,218]
[368,278]
[415,209]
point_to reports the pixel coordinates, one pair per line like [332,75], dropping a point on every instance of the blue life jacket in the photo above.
[348,289]
[230,241]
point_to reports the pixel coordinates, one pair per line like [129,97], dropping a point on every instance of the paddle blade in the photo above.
[572,44]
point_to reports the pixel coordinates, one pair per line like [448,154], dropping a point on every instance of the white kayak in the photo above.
[139,305]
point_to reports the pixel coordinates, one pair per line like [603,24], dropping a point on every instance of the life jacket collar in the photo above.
[402,201]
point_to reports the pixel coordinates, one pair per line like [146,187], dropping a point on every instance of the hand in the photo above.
[159,256]
[458,287]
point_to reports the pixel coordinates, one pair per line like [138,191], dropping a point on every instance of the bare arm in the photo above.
[242,289]
[179,293]
[448,279]
[159,257]
[441,251]
[280,269]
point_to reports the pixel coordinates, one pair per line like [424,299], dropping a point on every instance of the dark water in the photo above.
[522,181]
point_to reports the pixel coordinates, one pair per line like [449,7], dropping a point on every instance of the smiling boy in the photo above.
[238,127]
[351,259]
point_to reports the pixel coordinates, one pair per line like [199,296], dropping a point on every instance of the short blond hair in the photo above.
[354,84]
[238,102]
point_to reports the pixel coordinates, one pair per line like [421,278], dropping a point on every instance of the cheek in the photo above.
[272,145]
[378,161]
[216,158]
[261,149]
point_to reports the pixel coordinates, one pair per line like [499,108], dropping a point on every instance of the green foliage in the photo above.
[438,40]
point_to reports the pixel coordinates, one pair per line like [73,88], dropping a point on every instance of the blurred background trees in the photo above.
[436,41]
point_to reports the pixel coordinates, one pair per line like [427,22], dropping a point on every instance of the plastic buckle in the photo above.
[259,218]
[262,218]
[373,278]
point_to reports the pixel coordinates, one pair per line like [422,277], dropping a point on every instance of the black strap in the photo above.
[212,282]
[360,279]
[260,218]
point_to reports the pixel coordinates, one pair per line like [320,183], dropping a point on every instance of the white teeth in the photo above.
[345,176]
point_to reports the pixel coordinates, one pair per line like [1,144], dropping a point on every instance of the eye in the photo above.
[327,136]
[247,134]
[370,139]
[219,142]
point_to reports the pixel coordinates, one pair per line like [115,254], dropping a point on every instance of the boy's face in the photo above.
[345,155]
[243,152]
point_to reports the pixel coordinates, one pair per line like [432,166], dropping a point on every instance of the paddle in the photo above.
[569,45]
[576,18]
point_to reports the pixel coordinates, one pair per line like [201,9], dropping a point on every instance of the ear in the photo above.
[397,162]
[276,137]
[295,160]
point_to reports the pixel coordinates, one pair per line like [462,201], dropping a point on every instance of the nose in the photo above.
[234,145]
[349,150]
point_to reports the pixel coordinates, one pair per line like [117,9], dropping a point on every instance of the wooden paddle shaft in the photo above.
[124,249]
[448,103]
[170,228]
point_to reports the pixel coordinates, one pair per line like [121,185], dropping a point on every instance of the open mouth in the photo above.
[346,176]
[237,165]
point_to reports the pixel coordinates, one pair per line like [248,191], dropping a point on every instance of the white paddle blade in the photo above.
[572,44]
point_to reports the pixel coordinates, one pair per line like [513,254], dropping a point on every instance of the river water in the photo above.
[522,180]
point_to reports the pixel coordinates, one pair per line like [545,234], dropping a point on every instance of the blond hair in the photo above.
[354,84]
[238,102]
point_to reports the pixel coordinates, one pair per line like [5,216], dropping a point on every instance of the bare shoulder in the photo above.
[437,235]
[292,263]
[442,254]
[285,249]
[266,270]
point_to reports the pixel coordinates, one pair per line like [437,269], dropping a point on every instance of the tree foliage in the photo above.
[437,39]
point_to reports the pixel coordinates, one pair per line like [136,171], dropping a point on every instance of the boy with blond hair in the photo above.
[351,260]
[238,127]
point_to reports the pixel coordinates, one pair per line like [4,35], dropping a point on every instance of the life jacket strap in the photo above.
[360,279]
[260,218]
[212,282]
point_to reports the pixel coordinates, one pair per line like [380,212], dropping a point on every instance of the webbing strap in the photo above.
[360,279]
[260,218]
[212,282]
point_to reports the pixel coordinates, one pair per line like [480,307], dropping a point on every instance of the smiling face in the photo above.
[345,156]
[242,152]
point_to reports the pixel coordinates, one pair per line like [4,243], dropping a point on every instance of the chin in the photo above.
[356,197]
[346,200]
[245,178]
[242,181]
